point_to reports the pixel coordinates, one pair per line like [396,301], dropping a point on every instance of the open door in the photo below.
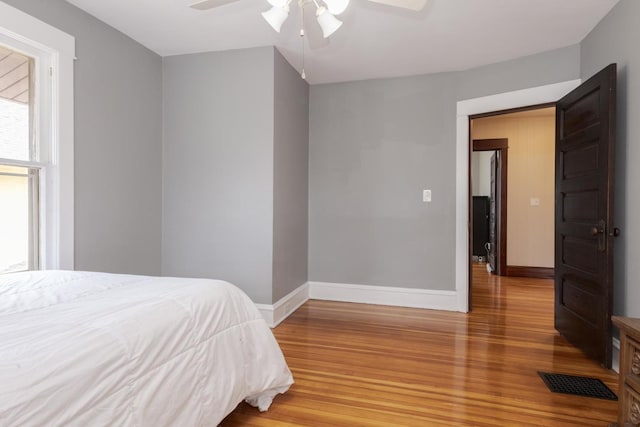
[494,209]
[585,140]
[493,231]
[497,248]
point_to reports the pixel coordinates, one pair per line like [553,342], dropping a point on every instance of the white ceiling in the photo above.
[375,41]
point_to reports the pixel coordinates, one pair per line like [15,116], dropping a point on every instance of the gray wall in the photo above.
[218,168]
[374,146]
[549,67]
[615,39]
[118,125]
[291,172]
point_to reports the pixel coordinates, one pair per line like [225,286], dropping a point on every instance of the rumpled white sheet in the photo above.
[96,349]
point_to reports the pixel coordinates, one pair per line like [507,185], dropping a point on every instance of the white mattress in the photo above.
[96,349]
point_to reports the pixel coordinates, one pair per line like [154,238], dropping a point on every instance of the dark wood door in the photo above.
[480,225]
[491,252]
[585,139]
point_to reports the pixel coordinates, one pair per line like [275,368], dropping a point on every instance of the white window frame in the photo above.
[54,53]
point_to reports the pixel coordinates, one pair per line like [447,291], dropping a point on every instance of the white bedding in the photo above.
[96,349]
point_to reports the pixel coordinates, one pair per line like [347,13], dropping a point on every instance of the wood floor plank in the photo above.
[366,365]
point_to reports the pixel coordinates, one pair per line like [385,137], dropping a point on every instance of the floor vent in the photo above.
[579,386]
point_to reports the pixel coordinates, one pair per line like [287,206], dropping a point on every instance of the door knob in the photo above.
[615,232]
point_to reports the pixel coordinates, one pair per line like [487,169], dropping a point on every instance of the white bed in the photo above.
[96,349]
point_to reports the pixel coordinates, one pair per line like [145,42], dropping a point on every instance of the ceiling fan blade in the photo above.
[405,4]
[210,4]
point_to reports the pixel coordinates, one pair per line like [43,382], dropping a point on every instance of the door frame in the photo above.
[500,145]
[470,107]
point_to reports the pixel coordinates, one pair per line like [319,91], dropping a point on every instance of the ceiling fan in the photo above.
[405,4]
[325,10]
[325,13]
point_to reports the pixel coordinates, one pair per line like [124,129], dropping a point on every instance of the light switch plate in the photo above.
[534,201]
[426,195]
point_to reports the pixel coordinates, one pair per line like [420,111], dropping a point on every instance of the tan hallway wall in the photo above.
[531,167]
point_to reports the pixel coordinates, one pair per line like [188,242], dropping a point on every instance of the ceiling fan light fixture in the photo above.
[336,7]
[327,21]
[276,16]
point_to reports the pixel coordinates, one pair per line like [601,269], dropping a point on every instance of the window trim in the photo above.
[55,51]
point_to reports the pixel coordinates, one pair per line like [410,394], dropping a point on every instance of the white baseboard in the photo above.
[615,355]
[273,314]
[383,295]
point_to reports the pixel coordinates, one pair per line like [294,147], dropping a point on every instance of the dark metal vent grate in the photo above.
[579,386]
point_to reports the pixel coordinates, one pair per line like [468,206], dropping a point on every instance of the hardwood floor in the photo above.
[366,365]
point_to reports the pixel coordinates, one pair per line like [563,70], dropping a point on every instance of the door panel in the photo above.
[577,298]
[581,161]
[582,113]
[580,255]
[585,139]
[580,207]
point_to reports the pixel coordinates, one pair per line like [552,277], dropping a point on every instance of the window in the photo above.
[36,144]
[18,219]
[19,216]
